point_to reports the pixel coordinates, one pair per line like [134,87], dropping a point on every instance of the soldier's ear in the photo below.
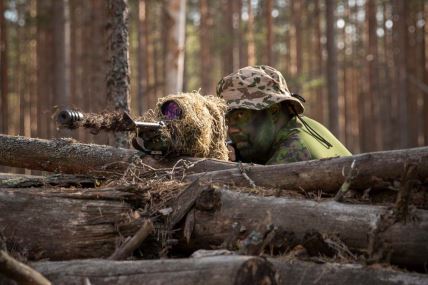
[275,111]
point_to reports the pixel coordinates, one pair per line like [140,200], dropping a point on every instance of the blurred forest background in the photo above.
[360,64]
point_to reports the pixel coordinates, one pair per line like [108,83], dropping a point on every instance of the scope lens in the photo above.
[171,110]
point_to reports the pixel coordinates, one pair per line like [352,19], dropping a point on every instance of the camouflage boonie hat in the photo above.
[256,88]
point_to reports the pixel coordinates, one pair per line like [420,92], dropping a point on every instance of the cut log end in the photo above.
[256,271]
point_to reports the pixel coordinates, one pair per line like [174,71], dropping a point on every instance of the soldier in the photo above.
[265,122]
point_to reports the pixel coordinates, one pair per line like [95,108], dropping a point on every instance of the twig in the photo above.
[18,271]
[244,173]
[408,182]
[349,177]
[128,247]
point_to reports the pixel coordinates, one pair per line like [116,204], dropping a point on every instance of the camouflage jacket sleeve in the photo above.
[290,150]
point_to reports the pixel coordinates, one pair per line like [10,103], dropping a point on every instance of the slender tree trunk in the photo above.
[141,62]
[61,21]
[371,103]
[400,56]
[205,39]
[424,47]
[118,75]
[412,74]
[269,32]
[319,62]
[228,40]
[333,92]
[176,25]
[33,70]
[250,35]
[4,89]
[44,68]
[150,97]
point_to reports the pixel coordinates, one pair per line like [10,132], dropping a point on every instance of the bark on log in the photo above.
[405,242]
[374,169]
[67,156]
[62,225]
[10,180]
[205,271]
[300,272]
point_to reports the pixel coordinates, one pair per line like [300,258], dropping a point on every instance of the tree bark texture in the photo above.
[175,40]
[118,53]
[3,71]
[358,226]
[300,272]
[65,224]
[377,169]
[332,87]
[66,156]
[204,271]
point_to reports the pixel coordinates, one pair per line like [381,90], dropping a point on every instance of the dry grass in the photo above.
[201,131]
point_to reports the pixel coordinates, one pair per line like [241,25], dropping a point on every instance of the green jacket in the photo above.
[295,142]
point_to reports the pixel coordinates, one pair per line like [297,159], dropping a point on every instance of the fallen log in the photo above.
[10,180]
[359,227]
[62,224]
[68,156]
[205,271]
[301,272]
[377,169]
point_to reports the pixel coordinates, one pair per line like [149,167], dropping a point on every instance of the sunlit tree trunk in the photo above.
[176,24]
[141,56]
[118,74]
[250,35]
[269,32]
[205,39]
[61,21]
[333,93]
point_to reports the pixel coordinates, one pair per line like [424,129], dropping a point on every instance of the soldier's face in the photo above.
[252,132]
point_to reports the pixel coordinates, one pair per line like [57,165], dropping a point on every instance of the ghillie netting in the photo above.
[200,131]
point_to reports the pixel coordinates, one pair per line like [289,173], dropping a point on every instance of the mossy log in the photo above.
[366,229]
[62,224]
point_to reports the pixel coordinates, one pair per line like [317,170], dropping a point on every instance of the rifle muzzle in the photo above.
[68,118]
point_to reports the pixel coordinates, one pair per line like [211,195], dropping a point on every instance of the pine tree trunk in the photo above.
[4,89]
[269,33]
[250,35]
[118,74]
[205,39]
[175,38]
[333,92]
[400,38]
[141,57]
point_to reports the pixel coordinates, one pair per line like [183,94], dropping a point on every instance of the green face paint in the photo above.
[252,132]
